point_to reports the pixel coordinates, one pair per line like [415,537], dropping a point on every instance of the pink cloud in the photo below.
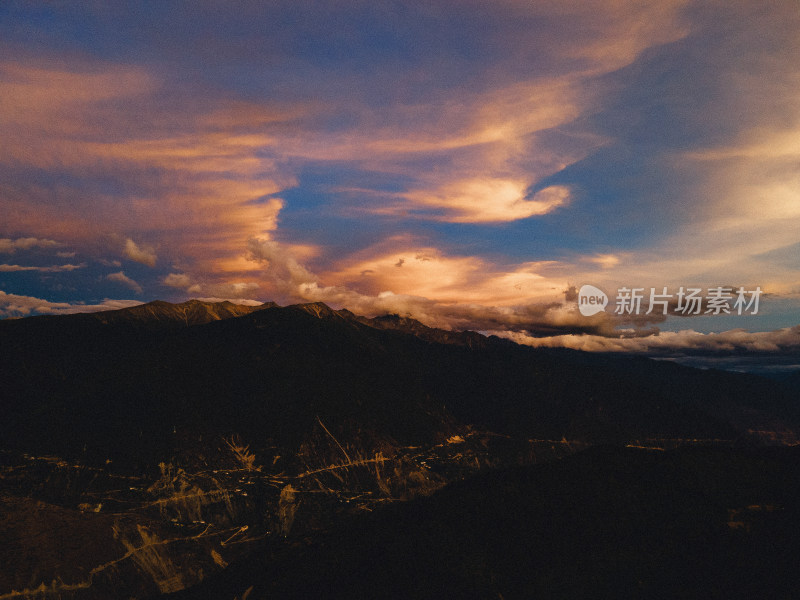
[191,180]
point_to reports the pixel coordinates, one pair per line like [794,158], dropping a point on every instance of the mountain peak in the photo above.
[318,309]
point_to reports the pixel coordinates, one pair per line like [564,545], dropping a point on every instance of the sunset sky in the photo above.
[463,163]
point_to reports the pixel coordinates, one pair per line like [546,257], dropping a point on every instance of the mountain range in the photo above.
[120,382]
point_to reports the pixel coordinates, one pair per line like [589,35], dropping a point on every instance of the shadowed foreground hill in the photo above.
[605,523]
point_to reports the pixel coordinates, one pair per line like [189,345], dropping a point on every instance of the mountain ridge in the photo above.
[160,314]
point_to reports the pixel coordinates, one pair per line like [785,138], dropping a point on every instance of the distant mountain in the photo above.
[193,312]
[429,334]
[152,315]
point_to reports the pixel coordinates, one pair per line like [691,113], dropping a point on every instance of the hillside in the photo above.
[176,440]
[605,523]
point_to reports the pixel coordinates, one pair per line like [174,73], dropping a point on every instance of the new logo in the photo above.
[591,300]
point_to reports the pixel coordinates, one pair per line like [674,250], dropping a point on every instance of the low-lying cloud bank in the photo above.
[672,343]
[14,306]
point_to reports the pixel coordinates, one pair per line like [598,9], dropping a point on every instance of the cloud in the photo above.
[403,265]
[436,279]
[192,178]
[178,280]
[9,246]
[280,267]
[240,301]
[143,255]
[490,200]
[52,269]
[14,305]
[668,343]
[605,261]
[219,289]
[535,318]
[236,289]
[109,263]
[120,277]
[705,131]
[202,173]
[529,144]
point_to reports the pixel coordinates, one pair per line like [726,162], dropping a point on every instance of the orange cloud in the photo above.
[482,147]
[402,267]
[440,291]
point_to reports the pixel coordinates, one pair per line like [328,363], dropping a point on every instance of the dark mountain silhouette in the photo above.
[124,382]
[153,315]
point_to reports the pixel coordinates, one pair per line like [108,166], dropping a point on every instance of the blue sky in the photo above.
[464,163]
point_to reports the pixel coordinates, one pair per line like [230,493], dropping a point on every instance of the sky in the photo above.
[469,164]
